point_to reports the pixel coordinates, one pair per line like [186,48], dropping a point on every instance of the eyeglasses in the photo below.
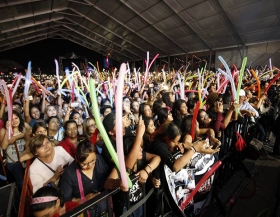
[44,146]
[88,164]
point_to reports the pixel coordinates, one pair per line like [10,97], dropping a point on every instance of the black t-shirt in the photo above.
[106,154]
[135,193]
[162,149]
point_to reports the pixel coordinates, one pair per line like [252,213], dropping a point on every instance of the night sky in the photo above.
[42,54]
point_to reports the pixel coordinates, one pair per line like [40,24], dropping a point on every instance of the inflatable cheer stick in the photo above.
[240,77]
[274,79]
[194,118]
[57,76]
[119,124]
[9,106]
[204,178]
[27,80]
[258,83]
[100,126]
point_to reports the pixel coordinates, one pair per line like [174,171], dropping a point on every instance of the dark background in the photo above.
[42,54]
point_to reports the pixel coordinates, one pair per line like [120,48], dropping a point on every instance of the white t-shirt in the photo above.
[40,173]
[59,135]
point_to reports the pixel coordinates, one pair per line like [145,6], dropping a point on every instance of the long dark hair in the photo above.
[39,124]
[186,125]
[168,131]
[162,115]
[21,121]
[166,99]
[128,143]
[141,109]
[157,106]
[32,107]
[176,109]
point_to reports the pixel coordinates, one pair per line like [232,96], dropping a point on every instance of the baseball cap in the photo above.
[242,92]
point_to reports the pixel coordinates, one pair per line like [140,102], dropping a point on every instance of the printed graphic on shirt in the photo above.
[182,183]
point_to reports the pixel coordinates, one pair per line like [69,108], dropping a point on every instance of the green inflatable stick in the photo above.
[101,128]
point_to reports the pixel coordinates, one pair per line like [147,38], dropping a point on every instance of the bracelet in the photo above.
[149,166]
[146,171]
[193,149]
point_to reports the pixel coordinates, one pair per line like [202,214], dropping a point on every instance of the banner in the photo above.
[182,183]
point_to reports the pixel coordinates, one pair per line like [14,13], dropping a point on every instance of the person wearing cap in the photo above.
[245,107]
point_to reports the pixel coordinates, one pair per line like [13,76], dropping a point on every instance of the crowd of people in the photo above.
[71,163]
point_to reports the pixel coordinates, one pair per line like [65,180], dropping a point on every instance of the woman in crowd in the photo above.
[70,140]
[199,133]
[38,128]
[50,111]
[149,130]
[164,116]
[145,110]
[14,146]
[55,132]
[138,164]
[167,145]
[158,104]
[168,98]
[89,171]
[90,130]
[49,163]
[135,111]
[49,201]
[31,114]
[76,116]
[214,118]
[179,111]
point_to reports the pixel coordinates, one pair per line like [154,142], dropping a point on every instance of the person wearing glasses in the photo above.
[49,163]
[90,130]
[92,170]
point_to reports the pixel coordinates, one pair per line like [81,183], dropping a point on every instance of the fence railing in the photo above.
[26,193]
[231,160]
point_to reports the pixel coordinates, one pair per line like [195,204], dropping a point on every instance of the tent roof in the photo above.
[126,29]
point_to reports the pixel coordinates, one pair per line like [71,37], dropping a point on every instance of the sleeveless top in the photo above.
[11,150]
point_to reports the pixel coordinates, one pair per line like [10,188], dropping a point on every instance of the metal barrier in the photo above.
[231,158]
[106,195]
[26,193]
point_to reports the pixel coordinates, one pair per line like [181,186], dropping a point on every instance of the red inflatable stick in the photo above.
[274,79]
[204,178]
[194,118]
